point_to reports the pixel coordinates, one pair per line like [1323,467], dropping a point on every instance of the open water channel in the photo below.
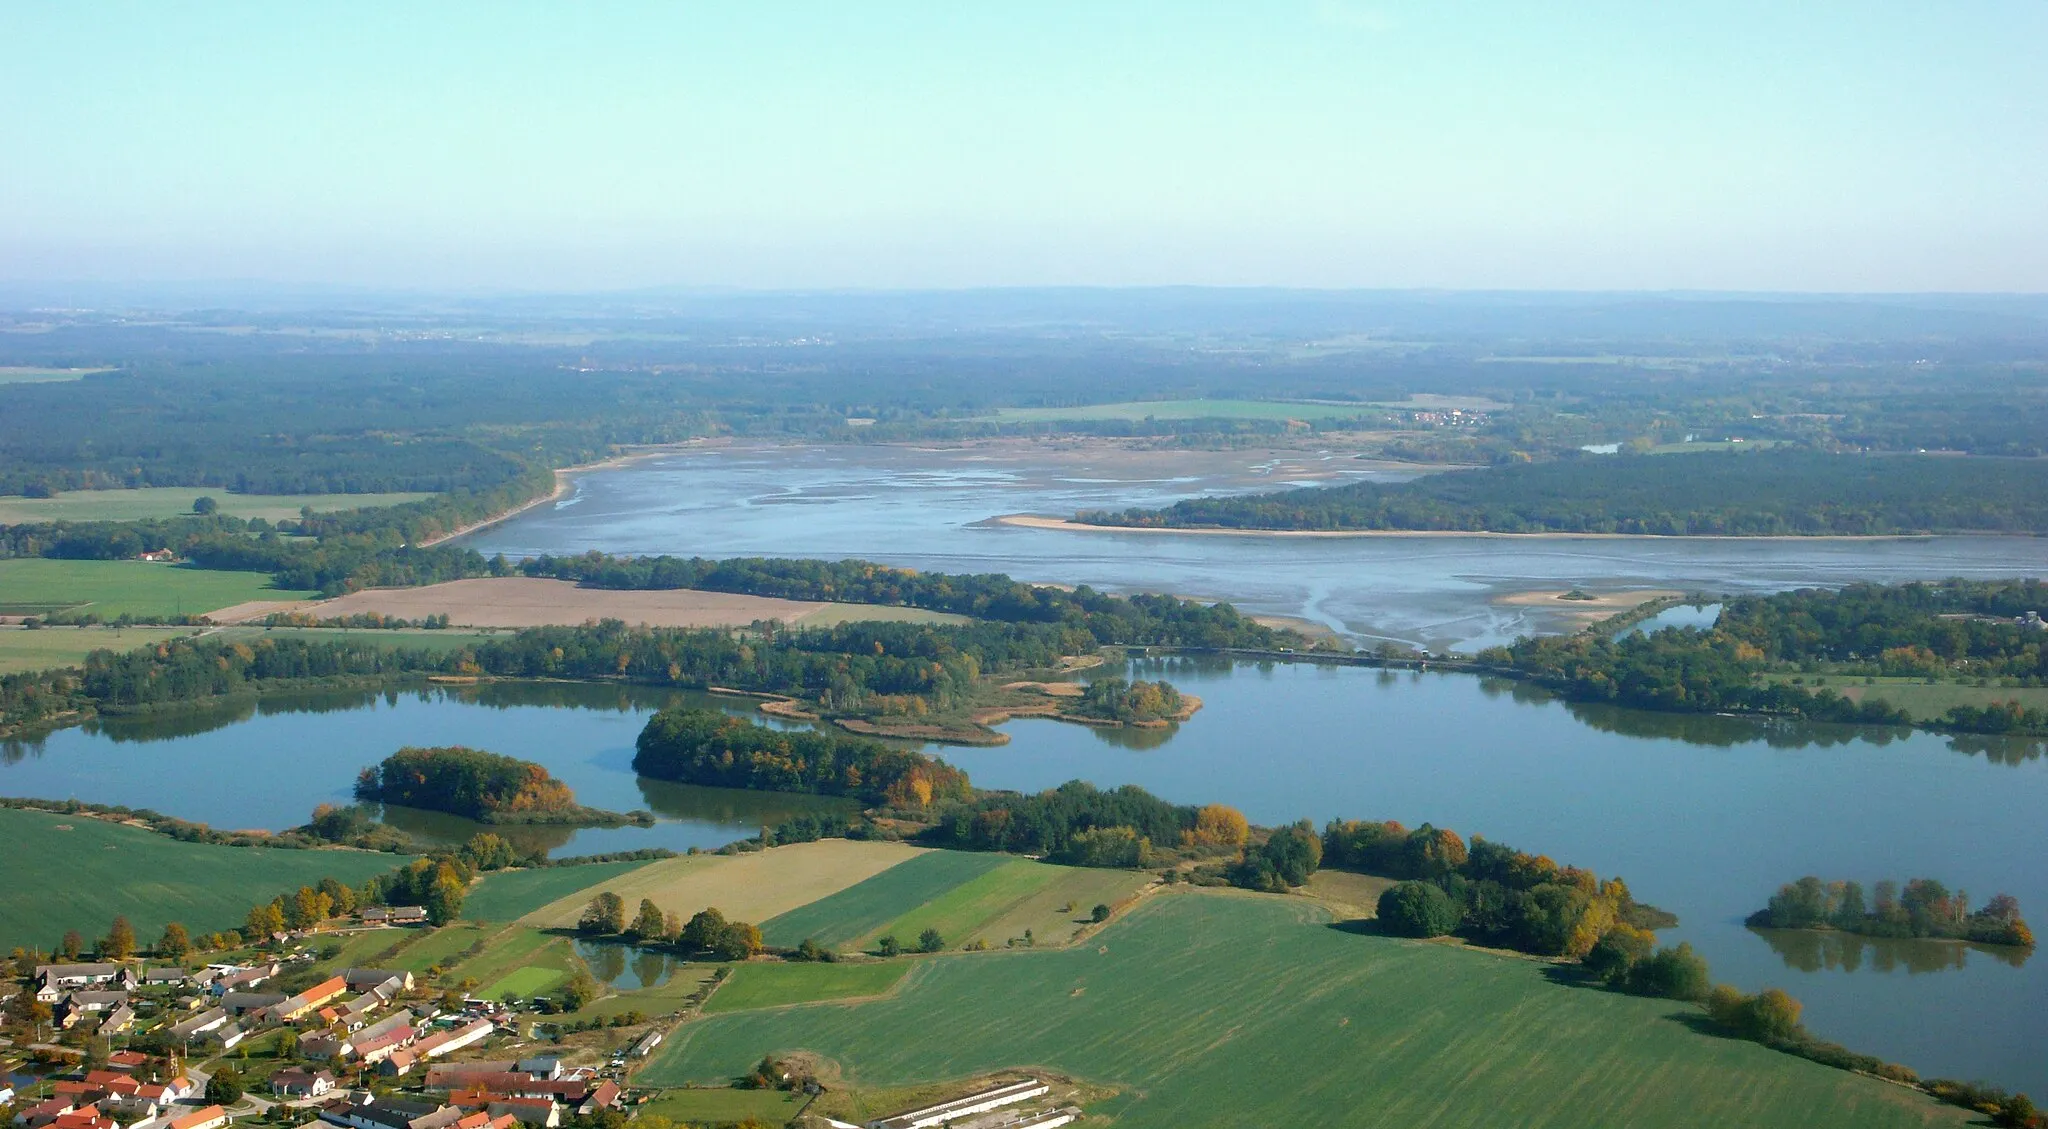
[1704,816]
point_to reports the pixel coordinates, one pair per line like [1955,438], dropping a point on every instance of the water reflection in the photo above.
[734,807]
[626,967]
[453,830]
[1815,950]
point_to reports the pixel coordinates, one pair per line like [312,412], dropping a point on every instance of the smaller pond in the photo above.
[1701,616]
[625,967]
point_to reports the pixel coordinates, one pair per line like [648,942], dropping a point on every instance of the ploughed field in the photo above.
[521,601]
[1209,1008]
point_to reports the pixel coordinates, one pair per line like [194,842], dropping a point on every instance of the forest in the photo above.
[698,746]
[1716,493]
[1924,907]
[1960,630]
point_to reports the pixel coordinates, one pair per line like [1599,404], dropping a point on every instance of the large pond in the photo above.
[929,509]
[268,765]
[1704,816]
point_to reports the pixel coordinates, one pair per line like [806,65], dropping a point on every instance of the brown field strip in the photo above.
[747,887]
[521,601]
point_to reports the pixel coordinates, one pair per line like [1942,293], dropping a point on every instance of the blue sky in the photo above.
[1778,146]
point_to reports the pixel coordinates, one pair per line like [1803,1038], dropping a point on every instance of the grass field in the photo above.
[1185,409]
[357,948]
[22,649]
[508,895]
[858,910]
[769,1107]
[438,947]
[79,879]
[519,962]
[999,905]
[173,501]
[762,985]
[1215,1009]
[1350,896]
[1927,703]
[747,887]
[33,586]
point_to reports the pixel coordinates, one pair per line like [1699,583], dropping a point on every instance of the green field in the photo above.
[519,962]
[79,879]
[860,909]
[1914,695]
[22,649]
[1218,1009]
[34,586]
[509,895]
[999,905]
[769,1107]
[173,501]
[763,985]
[32,374]
[524,982]
[357,948]
[832,615]
[440,947]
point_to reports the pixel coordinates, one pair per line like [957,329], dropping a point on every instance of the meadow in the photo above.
[859,910]
[1050,902]
[176,501]
[24,649]
[757,985]
[754,886]
[80,878]
[1208,1008]
[516,962]
[508,895]
[35,586]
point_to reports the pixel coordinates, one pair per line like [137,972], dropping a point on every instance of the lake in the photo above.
[1704,816]
[930,509]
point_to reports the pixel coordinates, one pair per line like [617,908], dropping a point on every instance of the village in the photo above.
[367,1048]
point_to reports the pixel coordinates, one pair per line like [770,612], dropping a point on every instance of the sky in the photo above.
[1810,146]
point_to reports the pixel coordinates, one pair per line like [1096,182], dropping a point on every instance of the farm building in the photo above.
[982,1102]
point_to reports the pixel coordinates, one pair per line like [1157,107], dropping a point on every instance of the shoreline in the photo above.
[562,482]
[1039,521]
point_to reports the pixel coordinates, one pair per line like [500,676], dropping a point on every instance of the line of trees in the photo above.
[1924,907]
[1748,493]
[707,932]
[700,746]
[1143,620]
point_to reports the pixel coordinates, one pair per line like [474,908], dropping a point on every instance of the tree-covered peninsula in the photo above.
[474,784]
[1721,493]
[1976,650]
[698,746]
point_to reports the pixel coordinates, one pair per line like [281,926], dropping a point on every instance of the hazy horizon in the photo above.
[1823,149]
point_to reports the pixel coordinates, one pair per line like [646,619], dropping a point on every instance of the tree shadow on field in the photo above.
[1360,926]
